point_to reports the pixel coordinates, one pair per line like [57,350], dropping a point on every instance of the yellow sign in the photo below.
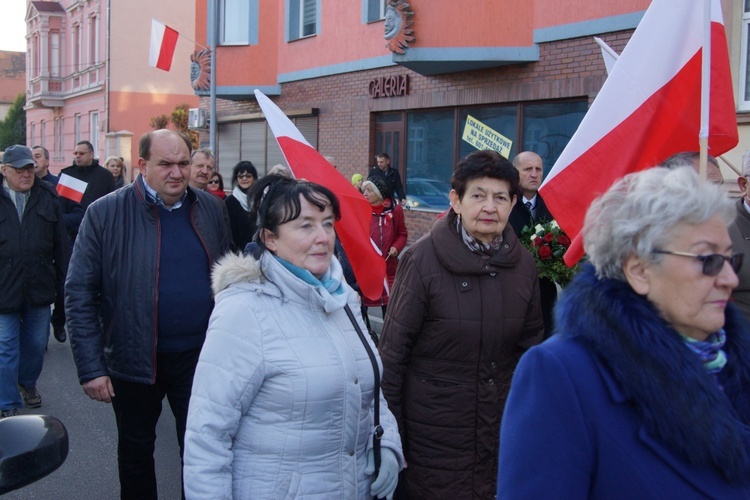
[481,136]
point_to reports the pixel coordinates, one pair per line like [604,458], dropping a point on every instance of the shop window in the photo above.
[302,18]
[548,127]
[430,153]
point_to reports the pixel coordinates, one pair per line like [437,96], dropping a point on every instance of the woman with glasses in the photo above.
[238,205]
[216,185]
[644,391]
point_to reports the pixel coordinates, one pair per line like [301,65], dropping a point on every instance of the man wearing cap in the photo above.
[34,250]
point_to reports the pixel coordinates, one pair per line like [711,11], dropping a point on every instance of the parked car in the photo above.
[422,192]
[31,446]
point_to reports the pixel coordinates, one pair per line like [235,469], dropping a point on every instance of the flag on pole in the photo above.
[163,43]
[647,110]
[608,54]
[354,227]
[71,188]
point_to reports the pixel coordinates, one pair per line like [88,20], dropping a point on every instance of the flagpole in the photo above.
[212,99]
[705,91]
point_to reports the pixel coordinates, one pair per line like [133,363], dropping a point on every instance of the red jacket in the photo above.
[387,229]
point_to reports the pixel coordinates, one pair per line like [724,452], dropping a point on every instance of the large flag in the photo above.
[354,227]
[71,188]
[647,110]
[163,43]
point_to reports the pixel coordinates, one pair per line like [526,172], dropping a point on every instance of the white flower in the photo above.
[554,225]
[539,228]
[533,237]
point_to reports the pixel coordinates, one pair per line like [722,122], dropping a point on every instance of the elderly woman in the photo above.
[644,392]
[238,205]
[115,165]
[286,397]
[464,307]
[387,232]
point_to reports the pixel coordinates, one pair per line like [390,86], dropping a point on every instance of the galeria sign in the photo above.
[389,86]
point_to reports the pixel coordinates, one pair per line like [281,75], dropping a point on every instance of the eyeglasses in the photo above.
[20,171]
[712,263]
[214,181]
[245,176]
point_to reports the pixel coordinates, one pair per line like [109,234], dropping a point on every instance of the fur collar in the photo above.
[233,268]
[679,402]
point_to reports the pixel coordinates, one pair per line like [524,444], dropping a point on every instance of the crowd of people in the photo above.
[241,309]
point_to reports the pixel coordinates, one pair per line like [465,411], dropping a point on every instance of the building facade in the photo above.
[426,82]
[12,79]
[89,79]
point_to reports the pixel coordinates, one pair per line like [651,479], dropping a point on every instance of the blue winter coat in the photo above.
[616,406]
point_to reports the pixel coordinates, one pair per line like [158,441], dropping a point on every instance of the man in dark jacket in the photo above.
[138,298]
[86,168]
[383,169]
[529,211]
[34,250]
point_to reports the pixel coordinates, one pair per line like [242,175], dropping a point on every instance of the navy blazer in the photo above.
[520,216]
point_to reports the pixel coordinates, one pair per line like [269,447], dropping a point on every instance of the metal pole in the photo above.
[213,34]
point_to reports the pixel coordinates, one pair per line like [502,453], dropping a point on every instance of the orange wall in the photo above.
[558,12]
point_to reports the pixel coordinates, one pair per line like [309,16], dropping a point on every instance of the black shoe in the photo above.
[8,413]
[31,397]
[59,332]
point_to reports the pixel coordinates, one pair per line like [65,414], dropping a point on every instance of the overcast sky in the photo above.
[13,32]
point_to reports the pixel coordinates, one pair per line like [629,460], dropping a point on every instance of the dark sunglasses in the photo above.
[245,176]
[215,181]
[713,263]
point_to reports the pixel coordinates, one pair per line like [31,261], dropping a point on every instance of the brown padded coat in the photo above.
[455,329]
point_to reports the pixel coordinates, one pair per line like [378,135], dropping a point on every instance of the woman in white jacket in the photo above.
[284,393]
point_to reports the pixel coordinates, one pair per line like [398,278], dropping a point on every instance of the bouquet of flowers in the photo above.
[547,244]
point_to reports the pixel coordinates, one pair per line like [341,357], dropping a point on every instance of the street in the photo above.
[90,471]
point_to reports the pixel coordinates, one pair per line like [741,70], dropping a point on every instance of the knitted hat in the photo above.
[356,178]
[382,186]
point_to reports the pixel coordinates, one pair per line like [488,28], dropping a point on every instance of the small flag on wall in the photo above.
[163,42]
[71,188]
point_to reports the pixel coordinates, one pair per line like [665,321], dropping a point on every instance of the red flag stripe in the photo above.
[70,193]
[166,52]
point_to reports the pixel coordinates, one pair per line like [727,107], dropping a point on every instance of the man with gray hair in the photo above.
[739,231]
[41,159]
[201,168]
[691,159]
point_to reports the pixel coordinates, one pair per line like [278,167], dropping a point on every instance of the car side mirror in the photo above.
[31,446]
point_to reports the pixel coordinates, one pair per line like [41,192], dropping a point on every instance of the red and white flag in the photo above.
[163,43]
[647,110]
[354,227]
[71,188]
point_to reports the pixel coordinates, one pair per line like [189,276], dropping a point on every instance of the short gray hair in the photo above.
[207,152]
[639,213]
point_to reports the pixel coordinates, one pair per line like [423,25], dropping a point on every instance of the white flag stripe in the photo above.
[280,124]
[157,35]
[73,183]
[636,78]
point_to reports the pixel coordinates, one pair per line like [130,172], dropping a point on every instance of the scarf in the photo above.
[241,196]
[327,282]
[709,350]
[476,246]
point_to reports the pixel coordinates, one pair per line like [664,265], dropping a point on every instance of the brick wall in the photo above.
[566,69]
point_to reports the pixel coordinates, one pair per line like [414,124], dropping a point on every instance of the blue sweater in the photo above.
[184,281]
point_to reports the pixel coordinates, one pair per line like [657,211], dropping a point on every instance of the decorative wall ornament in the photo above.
[398,21]
[200,70]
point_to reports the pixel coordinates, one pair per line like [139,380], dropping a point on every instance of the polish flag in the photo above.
[163,43]
[354,227]
[648,109]
[71,188]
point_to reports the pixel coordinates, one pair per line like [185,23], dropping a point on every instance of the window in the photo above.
[32,133]
[77,50]
[94,131]
[57,152]
[43,138]
[54,54]
[374,10]
[744,93]
[238,22]
[302,18]
[430,151]
[77,131]
[94,40]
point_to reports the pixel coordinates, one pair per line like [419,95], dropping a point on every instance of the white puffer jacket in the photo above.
[282,401]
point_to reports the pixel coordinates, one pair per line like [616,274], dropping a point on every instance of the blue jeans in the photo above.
[23,337]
